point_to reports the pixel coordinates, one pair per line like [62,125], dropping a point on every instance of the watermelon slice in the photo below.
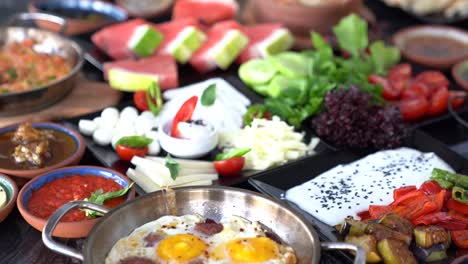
[131,75]
[265,40]
[225,42]
[113,40]
[181,38]
[207,12]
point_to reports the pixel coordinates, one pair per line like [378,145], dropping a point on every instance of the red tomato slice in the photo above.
[457,206]
[415,89]
[433,79]
[403,71]
[184,114]
[414,108]
[140,101]
[127,153]
[459,98]
[438,102]
[397,193]
[230,167]
[430,187]
[460,238]
[388,93]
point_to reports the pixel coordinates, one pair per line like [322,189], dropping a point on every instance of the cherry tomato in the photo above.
[140,101]
[230,166]
[403,71]
[438,102]
[415,89]
[459,100]
[413,108]
[127,153]
[388,93]
[184,114]
[433,79]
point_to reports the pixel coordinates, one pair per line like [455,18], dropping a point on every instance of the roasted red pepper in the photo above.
[460,238]
[457,206]
[431,187]
[397,193]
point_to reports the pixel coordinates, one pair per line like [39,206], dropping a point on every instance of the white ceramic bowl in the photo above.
[186,148]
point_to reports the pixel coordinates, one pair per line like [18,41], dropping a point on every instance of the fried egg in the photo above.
[192,239]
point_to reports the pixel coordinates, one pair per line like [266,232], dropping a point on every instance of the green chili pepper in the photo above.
[444,178]
[459,194]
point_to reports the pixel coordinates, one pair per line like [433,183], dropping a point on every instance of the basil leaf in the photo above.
[134,141]
[209,95]
[99,197]
[253,112]
[154,94]
[234,153]
[12,73]
[173,166]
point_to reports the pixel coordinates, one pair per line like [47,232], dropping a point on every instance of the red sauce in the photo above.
[47,199]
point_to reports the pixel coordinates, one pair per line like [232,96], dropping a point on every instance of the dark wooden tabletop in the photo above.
[20,243]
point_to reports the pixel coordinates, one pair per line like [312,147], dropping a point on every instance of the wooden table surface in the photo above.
[20,243]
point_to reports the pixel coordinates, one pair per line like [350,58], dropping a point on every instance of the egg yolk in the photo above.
[256,249]
[181,247]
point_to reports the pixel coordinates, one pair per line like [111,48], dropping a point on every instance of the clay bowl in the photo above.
[460,73]
[437,50]
[74,158]
[96,14]
[12,192]
[77,229]
[302,18]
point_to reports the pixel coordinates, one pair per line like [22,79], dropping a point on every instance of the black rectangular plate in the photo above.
[107,156]
[277,181]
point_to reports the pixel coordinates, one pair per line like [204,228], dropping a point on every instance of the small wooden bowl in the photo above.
[12,192]
[300,18]
[144,9]
[401,38]
[460,74]
[67,229]
[76,26]
[74,159]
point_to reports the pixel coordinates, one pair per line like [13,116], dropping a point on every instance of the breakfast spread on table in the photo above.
[210,101]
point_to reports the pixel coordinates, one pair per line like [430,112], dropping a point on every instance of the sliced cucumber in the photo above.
[256,72]
[145,40]
[290,64]
[280,83]
[261,89]
[3,197]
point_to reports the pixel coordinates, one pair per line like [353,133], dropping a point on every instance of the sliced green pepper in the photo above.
[459,194]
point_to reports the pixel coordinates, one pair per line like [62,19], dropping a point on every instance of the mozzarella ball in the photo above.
[153,148]
[142,125]
[129,113]
[87,127]
[102,137]
[110,112]
[97,120]
[124,126]
[148,114]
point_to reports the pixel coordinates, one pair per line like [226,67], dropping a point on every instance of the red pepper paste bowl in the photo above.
[51,190]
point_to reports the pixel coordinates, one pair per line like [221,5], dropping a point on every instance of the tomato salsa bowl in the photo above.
[67,149]
[48,192]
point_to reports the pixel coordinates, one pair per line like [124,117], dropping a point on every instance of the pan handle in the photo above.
[360,253]
[40,16]
[55,219]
